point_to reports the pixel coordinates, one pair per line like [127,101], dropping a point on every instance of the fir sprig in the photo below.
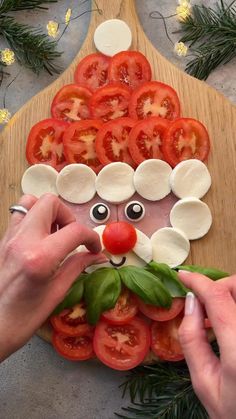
[7,6]
[162,391]
[32,48]
[212,37]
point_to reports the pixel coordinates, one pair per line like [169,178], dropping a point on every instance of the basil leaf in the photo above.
[169,278]
[147,286]
[211,273]
[102,289]
[73,296]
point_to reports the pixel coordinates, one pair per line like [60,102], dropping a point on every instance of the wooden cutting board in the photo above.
[198,101]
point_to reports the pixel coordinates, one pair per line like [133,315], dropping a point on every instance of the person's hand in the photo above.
[213,379]
[33,276]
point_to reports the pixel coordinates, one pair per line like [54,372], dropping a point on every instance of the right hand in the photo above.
[213,378]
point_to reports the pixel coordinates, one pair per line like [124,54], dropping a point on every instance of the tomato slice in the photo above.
[110,102]
[125,309]
[74,348]
[92,71]
[71,103]
[122,347]
[185,138]
[164,339]
[154,99]
[130,68]
[79,143]
[146,138]
[72,321]
[44,144]
[160,313]
[112,141]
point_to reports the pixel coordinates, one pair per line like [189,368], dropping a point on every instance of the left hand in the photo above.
[34,277]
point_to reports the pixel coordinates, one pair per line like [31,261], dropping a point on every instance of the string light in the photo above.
[183,10]
[7,56]
[5,116]
[180,49]
[52,28]
[68,16]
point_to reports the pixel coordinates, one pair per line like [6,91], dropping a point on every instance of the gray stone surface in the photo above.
[36,383]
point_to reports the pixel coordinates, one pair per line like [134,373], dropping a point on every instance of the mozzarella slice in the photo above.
[76,183]
[170,246]
[112,36]
[190,178]
[143,246]
[114,182]
[191,216]
[39,179]
[151,179]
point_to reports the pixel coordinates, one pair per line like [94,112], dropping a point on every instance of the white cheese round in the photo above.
[39,179]
[190,178]
[114,182]
[191,216]
[170,246]
[76,183]
[112,36]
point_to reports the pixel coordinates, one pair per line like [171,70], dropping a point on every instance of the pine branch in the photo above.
[7,6]
[214,33]
[31,46]
[162,391]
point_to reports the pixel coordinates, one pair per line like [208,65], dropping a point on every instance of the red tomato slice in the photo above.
[110,102]
[44,144]
[92,71]
[119,237]
[154,99]
[185,138]
[125,309]
[146,138]
[72,321]
[159,313]
[122,347]
[112,141]
[164,339]
[130,68]
[79,143]
[71,103]
[74,348]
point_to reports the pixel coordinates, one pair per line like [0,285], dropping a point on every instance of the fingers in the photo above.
[59,244]
[219,305]
[26,201]
[48,209]
[202,362]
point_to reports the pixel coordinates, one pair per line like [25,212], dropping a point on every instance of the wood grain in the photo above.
[198,101]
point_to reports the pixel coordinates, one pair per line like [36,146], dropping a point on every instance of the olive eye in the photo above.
[99,213]
[134,211]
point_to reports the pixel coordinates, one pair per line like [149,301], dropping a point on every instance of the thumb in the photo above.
[202,362]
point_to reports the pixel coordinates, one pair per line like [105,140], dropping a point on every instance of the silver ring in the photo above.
[18,208]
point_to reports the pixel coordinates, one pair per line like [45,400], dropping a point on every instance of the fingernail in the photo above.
[189,304]
[184,272]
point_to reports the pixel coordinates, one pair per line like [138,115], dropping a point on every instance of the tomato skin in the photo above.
[159,313]
[186,138]
[126,353]
[44,143]
[92,71]
[164,339]
[71,103]
[125,309]
[72,321]
[154,99]
[77,143]
[130,68]
[74,348]
[146,139]
[119,237]
[110,102]
[112,134]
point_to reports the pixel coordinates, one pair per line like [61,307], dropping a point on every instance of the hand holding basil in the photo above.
[169,278]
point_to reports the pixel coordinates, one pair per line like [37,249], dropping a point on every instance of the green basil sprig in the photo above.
[102,289]
[73,296]
[169,278]
[146,285]
[211,273]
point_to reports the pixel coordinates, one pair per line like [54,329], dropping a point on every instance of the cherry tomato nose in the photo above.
[119,237]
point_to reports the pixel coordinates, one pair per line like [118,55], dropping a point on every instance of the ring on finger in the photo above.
[18,208]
